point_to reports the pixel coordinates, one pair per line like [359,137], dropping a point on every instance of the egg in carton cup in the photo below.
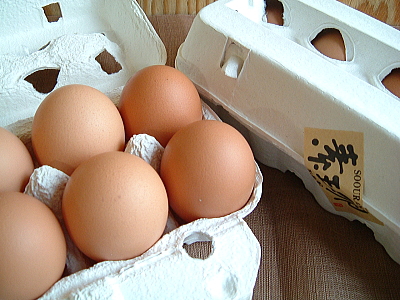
[228,272]
[332,120]
[68,40]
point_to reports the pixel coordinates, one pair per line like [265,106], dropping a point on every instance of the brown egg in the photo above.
[16,164]
[32,249]
[74,123]
[159,100]
[274,12]
[208,170]
[115,206]
[330,43]
[392,82]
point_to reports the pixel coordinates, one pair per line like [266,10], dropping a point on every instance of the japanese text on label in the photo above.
[335,159]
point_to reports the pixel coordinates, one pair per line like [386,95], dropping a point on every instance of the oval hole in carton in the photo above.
[108,62]
[330,43]
[392,82]
[274,12]
[52,12]
[43,80]
[198,245]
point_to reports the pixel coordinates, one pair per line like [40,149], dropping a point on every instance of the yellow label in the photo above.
[335,158]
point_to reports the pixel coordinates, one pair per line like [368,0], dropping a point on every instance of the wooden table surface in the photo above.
[387,11]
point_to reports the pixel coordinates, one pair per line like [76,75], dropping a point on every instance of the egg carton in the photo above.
[228,272]
[274,85]
[70,41]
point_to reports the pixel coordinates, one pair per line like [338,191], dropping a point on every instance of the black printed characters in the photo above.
[340,153]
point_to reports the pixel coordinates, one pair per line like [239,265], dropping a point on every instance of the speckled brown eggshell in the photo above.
[115,206]
[74,123]
[208,170]
[16,164]
[32,249]
[159,100]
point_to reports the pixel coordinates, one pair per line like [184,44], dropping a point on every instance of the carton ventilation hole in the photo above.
[200,248]
[392,82]
[330,43]
[274,12]
[43,80]
[108,62]
[52,12]
[233,59]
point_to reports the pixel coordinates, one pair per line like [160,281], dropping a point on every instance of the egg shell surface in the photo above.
[159,100]
[16,164]
[208,170]
[114,206]
[392,82]
[32,249]
[330,43]
[74,123]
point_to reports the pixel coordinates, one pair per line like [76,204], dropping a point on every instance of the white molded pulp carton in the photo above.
[30,43]
[68,36]
[275,85]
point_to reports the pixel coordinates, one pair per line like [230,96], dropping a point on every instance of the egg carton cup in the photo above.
[229,272]
[272,83]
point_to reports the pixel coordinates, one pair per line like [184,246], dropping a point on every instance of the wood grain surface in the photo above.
[387,11]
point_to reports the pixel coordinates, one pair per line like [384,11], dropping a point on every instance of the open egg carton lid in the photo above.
[303,111]
[70,41]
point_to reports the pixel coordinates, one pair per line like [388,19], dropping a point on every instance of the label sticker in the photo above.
[335,158]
